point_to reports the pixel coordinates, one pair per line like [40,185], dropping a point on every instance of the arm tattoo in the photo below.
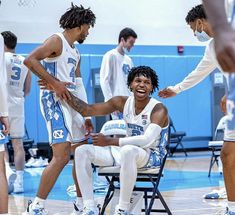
[78,105]
[37,74]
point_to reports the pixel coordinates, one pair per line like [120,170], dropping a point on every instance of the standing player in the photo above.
[115,67]
[147,122]
[4,129]
[225,52]
[199,23]
[60,63]
[18,83]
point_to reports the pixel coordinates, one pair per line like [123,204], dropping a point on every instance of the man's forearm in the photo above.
[35,67]
[78,105]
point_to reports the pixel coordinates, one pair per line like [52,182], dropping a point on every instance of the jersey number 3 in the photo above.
[17,72]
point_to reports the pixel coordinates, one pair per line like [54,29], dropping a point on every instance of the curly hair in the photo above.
[76,16]
[10,39]
[145,71]
[196,12]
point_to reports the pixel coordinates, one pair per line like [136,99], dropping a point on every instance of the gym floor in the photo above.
[184,183]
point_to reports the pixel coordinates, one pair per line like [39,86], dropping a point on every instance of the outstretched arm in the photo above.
[203,69]
[98,109]
[224,34]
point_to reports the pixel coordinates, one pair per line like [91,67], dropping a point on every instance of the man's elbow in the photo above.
[28,62]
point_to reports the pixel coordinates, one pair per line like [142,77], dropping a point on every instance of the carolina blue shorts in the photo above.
[63,123]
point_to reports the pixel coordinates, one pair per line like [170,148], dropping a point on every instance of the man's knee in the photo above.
[18,146]
[127,151]
[61,160]
[82,151]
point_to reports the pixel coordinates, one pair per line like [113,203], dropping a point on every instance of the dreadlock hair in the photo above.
[145,71]
[77,16]
[196,12]
[125,33]
[10,39]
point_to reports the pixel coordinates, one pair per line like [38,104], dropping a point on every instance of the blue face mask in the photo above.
[125,50]
[202,36]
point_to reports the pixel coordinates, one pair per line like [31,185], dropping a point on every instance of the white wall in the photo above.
[157,22]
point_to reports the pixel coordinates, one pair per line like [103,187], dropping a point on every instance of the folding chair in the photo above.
[151,191]
[176,139]
[217,144]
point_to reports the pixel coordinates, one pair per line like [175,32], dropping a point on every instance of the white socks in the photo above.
[79,202]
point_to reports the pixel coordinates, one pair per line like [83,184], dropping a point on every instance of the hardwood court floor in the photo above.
[184,183]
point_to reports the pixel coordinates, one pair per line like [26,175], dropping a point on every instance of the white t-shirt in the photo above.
[3,87]
[16,75]
[113,74]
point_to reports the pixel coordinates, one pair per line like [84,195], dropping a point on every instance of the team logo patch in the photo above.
[58,134]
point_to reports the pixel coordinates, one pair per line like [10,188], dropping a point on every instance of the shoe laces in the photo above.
[121,212]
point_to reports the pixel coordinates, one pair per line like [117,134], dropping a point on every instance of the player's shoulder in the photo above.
[112,52]
[55,40]
[159,107]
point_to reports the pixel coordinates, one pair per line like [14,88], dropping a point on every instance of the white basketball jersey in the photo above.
[63,67]
[137,124]
[16,75]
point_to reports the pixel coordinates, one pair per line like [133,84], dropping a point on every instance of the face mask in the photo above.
[125,50]
[202,36]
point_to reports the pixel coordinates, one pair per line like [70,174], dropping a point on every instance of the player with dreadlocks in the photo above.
[56,61]
[147,122]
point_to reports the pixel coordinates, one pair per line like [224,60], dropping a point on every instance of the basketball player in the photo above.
[115,67]
[199,23]
[18,83]
[147,122]
[60,63]
[4,130]
[225,52]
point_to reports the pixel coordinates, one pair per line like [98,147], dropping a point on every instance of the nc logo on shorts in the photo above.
[2,136]
[58,134]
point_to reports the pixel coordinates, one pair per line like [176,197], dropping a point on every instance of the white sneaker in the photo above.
[76,210]
[30,162]
[216,194]
[40,163]
[120,212]
[34,210]
[90,211]
[18,187]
